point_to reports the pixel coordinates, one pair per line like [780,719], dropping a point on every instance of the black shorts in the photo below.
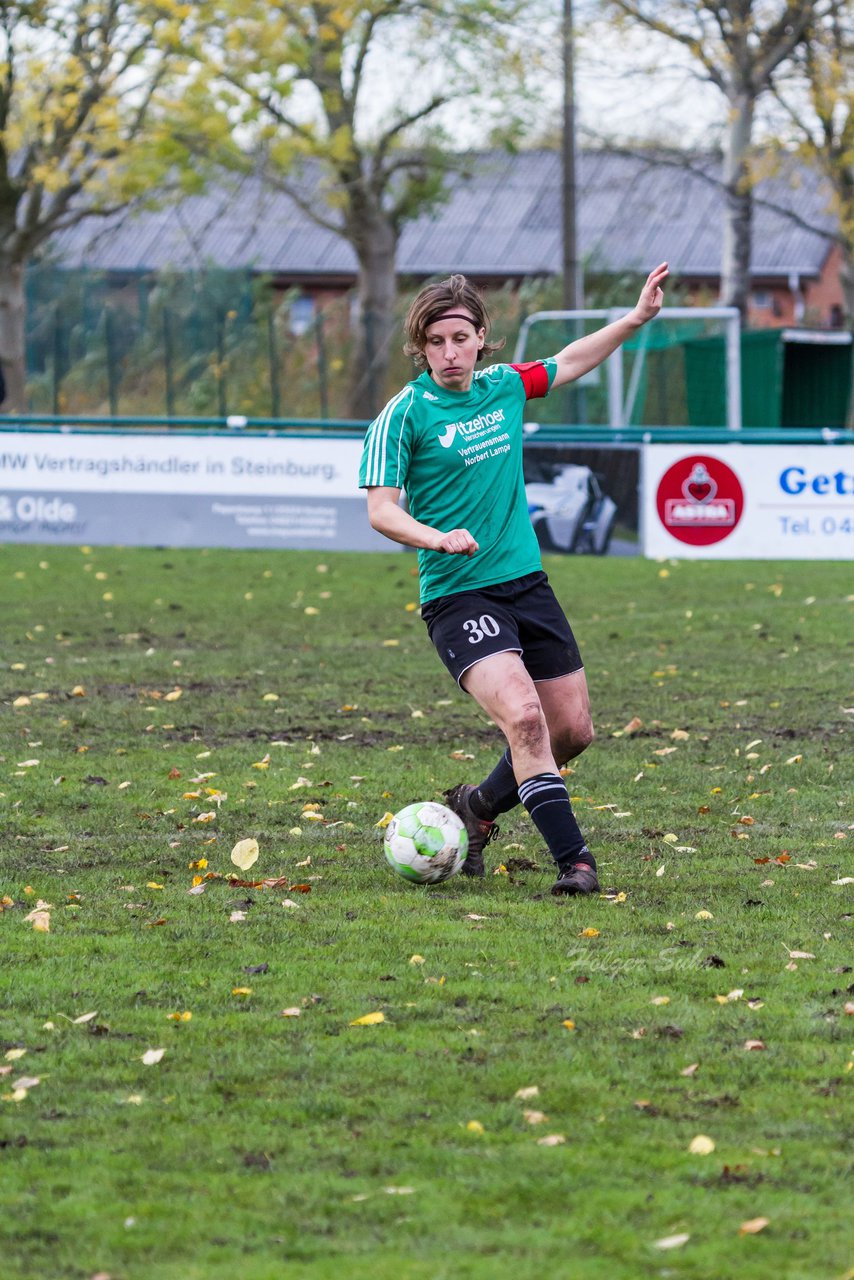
[521,616]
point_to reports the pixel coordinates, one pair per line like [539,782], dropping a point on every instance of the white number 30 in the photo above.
[480,627]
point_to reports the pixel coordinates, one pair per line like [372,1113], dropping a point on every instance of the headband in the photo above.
[450,315]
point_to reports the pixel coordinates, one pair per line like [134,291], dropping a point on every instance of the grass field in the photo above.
[656,1082]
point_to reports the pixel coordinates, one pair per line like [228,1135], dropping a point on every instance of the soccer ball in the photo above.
[426,843]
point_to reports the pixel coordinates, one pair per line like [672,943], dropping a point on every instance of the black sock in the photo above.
[498,793]
[546,799]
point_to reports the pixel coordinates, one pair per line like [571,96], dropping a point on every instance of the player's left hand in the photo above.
[652,294]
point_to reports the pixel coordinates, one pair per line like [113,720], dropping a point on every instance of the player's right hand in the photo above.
[458,542]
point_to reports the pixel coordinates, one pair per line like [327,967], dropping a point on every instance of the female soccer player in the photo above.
[452,439]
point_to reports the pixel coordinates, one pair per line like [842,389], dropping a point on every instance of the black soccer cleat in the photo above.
[480,830]
[578,879]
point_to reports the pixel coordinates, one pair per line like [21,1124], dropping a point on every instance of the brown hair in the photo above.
[432,302]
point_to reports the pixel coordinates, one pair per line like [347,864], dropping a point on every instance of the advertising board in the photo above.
[183,489]
[748,502]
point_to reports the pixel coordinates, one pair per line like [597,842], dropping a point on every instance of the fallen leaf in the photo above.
[589,933]
[702,1145]
[293,1012]
[534,1117]
[753,1226]
[569,1024]
[690,1070]
[474,1126]
[551,1140]
[660,1000]
[241,991]
[152,1056]
[529,1091]
[754,1044]
[369,1019]
[245,854]
[703,915]
[672,1242]
[801,955]
[12,1055]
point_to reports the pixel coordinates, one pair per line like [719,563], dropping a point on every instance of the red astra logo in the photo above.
[700,500]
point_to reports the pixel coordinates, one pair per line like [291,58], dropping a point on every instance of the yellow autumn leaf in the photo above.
[173,696]
[474,1126]
[152,884]
[245,854]
[241,991]
[206,817]
[702,1145]
[703,915]
[569,1024]
[589,933]
[369,1019]
[753,1226]
[660,1000]
[384,820]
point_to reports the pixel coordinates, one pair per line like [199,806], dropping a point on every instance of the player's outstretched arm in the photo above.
[389,518]
[586,353]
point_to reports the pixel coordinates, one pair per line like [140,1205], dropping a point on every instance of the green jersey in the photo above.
[458,456]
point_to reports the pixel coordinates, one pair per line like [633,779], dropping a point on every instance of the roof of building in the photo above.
[502,219]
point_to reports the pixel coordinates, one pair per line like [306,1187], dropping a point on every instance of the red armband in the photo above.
[534,377]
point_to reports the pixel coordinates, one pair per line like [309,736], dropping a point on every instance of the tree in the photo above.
[309,89]
[79,83]
[740,47]
[819,99]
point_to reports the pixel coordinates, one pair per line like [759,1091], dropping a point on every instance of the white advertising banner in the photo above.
[748,502]
[149,488]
